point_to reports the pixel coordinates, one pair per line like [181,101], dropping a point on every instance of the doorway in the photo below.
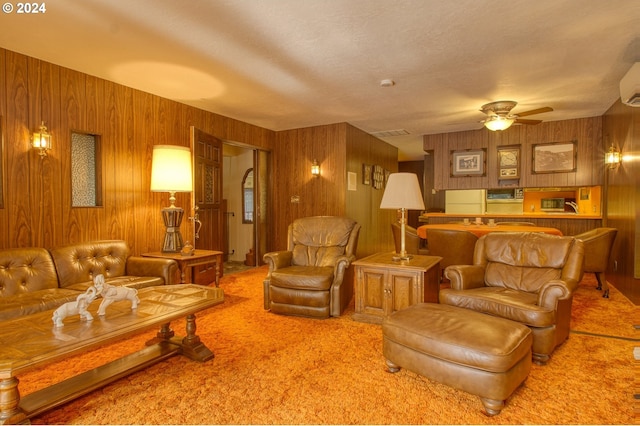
[244,193]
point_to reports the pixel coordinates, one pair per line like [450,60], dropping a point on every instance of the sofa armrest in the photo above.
[551,292]
[166,269]
[278,259]
[465,277]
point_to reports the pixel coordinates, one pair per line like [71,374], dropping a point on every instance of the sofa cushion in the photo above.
[125,281]
[26,270]
[82,262]
[34,302]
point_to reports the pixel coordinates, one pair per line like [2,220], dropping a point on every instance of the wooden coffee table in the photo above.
[32,341]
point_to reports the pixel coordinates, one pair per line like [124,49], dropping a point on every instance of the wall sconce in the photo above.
[315,169]
[171,172]
[41,140]
[612,158]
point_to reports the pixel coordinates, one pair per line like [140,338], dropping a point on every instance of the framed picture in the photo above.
[366,174]
[469,162]
[378,177]
[554,157]
[509,162]
[585,194]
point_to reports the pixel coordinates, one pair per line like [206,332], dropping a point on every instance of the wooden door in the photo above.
[207,190]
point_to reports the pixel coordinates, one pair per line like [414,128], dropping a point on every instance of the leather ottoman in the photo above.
[481,354]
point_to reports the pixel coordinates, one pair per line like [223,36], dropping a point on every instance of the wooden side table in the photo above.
[383,286]
[201,268]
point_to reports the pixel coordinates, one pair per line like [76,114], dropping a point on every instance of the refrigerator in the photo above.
[465,201]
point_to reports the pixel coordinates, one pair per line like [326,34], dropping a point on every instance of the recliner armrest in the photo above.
[278,259]
[464,277]
[551,292]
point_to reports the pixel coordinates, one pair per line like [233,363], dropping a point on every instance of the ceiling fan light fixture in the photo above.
[496,123]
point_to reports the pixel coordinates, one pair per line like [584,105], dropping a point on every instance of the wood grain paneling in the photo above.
[586,131]
[37,208]
[621,128]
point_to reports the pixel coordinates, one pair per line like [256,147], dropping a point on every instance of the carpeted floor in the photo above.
[273,369]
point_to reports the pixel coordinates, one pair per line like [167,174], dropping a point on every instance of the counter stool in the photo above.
[477,353]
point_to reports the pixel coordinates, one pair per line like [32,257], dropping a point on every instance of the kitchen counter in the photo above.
[534,215]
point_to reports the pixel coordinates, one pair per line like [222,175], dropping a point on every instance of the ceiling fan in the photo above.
[499,115]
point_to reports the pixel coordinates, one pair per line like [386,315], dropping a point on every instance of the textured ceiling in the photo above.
[284,64]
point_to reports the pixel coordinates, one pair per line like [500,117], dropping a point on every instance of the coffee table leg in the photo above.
[9,399]
[192,347]
[165,333]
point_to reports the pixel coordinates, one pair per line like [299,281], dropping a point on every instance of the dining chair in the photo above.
[413,244]
[455,247]
[597,250]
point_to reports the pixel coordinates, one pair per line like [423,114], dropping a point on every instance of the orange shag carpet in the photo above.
[273,369]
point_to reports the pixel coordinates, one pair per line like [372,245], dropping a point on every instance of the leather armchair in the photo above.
[524,277]
[307,279]
[413,244]
[597,250]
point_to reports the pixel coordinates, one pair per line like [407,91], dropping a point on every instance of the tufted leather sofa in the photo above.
[35,279]
[525,277]
[308,278]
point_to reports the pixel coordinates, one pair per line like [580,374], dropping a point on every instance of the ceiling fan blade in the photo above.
[525,121]
[534,111]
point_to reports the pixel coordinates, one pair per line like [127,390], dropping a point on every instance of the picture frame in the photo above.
[554,157]
[378,177]
[508,162]
[468,162]
[366,174]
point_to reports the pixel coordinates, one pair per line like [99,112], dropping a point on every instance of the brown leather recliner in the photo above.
[413,244]
[526,277]
[308,278]
[597,250]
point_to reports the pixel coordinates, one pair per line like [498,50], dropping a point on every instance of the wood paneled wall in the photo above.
[339,148]
[586,131]
[621,128]
[363,204]
[37,192]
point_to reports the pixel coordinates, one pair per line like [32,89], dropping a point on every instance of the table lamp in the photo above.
[402,192]
[171,172]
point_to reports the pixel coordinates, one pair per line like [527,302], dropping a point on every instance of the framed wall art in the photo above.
[509,162]
[469,162]
[554,157]
[366,174]
[378,177]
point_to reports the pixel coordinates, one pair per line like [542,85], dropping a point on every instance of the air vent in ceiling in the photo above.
[390,133]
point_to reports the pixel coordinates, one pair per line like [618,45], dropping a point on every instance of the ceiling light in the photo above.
[497,122]
[387,82]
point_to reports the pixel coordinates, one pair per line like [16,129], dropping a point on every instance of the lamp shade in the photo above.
[171,169]
[402,192]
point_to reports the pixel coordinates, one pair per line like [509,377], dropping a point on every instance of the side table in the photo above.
[202,267]
[383,285]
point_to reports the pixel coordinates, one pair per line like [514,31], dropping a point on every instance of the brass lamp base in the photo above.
[172,217]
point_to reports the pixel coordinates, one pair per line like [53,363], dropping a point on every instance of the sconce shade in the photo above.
[315,168]
[497,122]
[41,140]
[171,169]
[402,192]
[612,158]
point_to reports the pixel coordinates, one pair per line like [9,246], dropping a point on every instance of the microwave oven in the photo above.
[552,204]
[515,194]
